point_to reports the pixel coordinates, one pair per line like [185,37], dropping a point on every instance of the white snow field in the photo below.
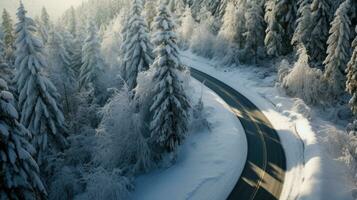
[312,174]
[209,162]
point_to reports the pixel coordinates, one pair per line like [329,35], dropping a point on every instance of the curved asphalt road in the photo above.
[263,175]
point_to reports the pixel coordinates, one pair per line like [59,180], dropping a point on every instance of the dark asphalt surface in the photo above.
[263,175]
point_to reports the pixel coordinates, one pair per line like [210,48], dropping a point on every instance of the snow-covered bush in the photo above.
[86,116]
[121,143]
[199,117]
[347,144]
[108,185]
[65,184]
[300,107]
[303,81]
[65,170]
[284,69]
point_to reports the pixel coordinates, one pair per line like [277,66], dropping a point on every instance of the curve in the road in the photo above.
[263,175]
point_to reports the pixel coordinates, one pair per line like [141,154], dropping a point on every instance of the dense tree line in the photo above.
[63,88]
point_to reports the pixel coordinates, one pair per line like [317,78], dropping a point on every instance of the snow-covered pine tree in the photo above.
[74,48]
[280,17]
[150,11]
[206,18]
[303,29]
[338,50]
[9,37]
[38,97]
[72,22]
[196,6]
[92,62]
[170,105]
[254,36]
[59,56]
[2,46]
[228,30]
[351,84]
[138,48]
[273,34]
[218,7]
[336,4]
[19,178]
[187,27]
[6,72]
[241,23]
[172,6]
[61,71]
[44,25]
[180,8]
[286,13]
[320,19]
[177,8]
[353,14]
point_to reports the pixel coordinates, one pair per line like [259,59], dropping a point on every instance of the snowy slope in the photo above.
[209,163]
[312,174]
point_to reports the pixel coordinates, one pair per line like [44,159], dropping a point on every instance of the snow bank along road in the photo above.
[263,175]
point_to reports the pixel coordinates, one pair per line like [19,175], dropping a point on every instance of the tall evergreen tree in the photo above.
[320,19]
[228,31]
[206,18]
[150,11]
[91,59]
[187,27]
[351,84]
[74,48]
[254,36]
[44,25]
[286,13]
[2,46]
[9,37]
[180,8]
[62,73]
[19,177]
[338,50]
[303,29]
[241,23]
[72,22]
[273,34]
[170,105]
[6,72]
[137,46]
[280,17]
[38,97]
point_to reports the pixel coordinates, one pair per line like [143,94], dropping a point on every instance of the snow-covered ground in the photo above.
[209,162]
[312,173]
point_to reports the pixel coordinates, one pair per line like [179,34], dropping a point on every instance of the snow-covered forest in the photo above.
[92,100]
